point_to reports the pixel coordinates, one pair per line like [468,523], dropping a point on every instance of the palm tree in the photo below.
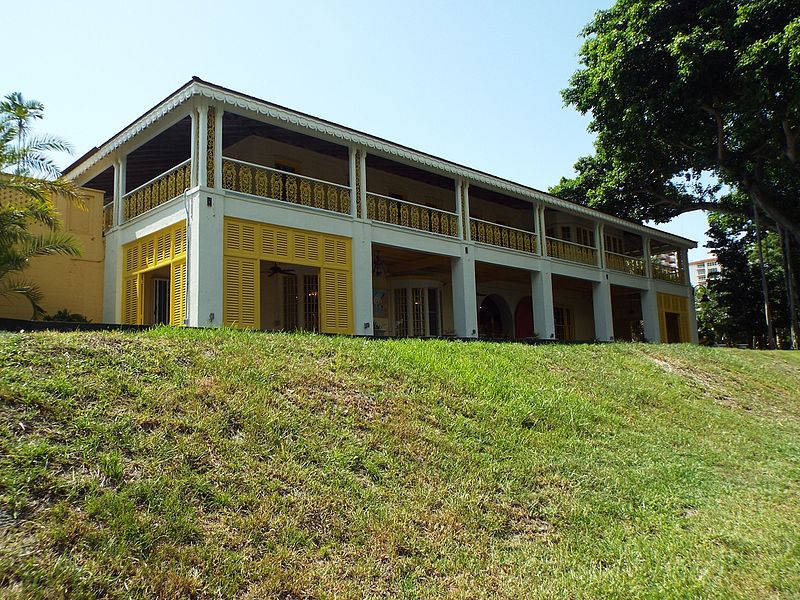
[28,180]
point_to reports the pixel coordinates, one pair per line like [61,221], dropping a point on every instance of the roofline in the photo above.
[198,87]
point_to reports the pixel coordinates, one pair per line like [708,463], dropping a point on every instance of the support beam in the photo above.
[465,299]
[542,295]
[362,279]
[204,261]
[603,316]
[650,316]
[541,230]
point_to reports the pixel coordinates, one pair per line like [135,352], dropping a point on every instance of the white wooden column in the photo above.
[683,265]
[544,323]
[467,211]
[362,279]
[202,144]
[204,260]
[603,315]
[194,161]
[600,244]
[120,168]
[647,256]
[465,297]
[362,164]
[352,170]
[459,209]
[541,230]
[218,147]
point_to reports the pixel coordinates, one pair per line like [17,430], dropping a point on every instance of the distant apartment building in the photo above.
[699,270]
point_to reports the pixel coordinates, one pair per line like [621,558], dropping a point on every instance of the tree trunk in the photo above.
[791,287]
[764,289]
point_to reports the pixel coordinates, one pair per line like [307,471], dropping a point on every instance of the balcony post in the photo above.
[601,305]
[544,323]
[647,257]
[599,232]
[683,265]
[193,168]
[120,168]
[465,304]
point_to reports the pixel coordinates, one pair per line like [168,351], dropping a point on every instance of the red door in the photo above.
[523,319]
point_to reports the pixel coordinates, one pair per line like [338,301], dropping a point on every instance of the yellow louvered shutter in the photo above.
[335,301]
[250,294]
[178,300]
[130,300]
[268,242]
[283,248]
[241,306]
[233,236]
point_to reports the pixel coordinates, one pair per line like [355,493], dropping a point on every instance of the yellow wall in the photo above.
[163,248]
[674,304]
[67,282]
[247,243]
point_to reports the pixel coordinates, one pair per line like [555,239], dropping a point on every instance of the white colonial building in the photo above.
[223,209]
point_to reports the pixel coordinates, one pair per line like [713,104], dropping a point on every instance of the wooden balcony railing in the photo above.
[666,272]
[503,236]
[408,214]
[633,265]
[157,191]
[108,216]
[571,251]
[258,180]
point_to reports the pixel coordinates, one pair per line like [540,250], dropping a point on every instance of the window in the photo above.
[566,233]
[585,236]
[417,310]
[311,302]
[564,326]
[614,244]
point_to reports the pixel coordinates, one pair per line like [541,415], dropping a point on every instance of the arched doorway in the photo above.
[494,318]
[523,319]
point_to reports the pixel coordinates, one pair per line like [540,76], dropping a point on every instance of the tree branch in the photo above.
[791,135]
[720,131]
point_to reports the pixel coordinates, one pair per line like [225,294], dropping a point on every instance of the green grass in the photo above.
[232,464]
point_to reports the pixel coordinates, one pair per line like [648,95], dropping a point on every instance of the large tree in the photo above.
[686,98]
[28,179]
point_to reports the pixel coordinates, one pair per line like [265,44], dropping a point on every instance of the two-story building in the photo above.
[223,209]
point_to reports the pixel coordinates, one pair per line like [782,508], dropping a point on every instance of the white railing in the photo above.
[258,180]
[571,251]
[625,264]
[666,272]
[157,191]
[407,214]
[504,236]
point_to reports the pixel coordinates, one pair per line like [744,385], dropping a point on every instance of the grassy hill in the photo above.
[234,464]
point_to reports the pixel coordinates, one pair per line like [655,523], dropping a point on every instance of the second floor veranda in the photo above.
[279,165]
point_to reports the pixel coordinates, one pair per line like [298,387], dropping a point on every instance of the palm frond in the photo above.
[54,243]
[23,289]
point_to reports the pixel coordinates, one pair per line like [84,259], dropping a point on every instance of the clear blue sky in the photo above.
[473,82]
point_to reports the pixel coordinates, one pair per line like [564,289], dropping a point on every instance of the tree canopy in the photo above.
[688,99]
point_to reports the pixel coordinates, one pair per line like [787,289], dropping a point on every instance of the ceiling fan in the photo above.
[276,270]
